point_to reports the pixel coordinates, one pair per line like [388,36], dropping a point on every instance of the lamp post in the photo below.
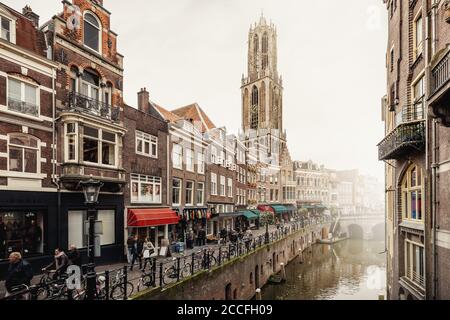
[91,190]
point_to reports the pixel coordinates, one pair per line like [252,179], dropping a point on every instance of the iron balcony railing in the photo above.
[409,134]
[77,101]
[416,278]
[440,74]
[23,107]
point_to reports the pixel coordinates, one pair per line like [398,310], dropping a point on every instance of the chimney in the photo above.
[143,99]
[28,12]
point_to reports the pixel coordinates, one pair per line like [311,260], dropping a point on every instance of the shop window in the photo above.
[78,228]
[146,144]
[21,231]
[24,154]
[23,97]
[145,189]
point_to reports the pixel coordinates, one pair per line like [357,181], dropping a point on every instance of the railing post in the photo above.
[125,280]
[204,259]
[192,264]
[161,274]
[107,284]
[154,273]
[220,256]
[178,269]
[229,252]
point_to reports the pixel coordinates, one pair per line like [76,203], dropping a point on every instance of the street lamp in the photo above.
[91,190]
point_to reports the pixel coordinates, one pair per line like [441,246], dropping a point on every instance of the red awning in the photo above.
[152,217]
[265,208]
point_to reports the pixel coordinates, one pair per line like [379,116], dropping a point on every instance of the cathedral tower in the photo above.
[262,90]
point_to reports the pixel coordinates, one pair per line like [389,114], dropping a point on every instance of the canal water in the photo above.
[348,270]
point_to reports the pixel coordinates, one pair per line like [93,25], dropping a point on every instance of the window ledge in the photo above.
[412,225]
[23,175]
[5,109]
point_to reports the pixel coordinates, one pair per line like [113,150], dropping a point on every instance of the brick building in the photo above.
[27,189]
[147,206]
[416,185]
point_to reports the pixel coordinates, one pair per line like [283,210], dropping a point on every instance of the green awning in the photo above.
[280,209]
[250,215]
[257,212]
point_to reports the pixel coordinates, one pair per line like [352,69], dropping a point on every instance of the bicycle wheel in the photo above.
[170,275]
[117,292]
[145,282]
[186,271]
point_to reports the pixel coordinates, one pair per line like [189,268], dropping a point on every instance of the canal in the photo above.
[348,270]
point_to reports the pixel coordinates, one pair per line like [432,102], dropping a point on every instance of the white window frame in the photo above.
[418,45]
[202,189]
[24,82]
[100,31]
[213,154]
[100,147]
[230,187]
[222,189]
[213,184]
[179,156]
[409,265]
[38,155]
[12,26]
[190,160]
[151,140]
[200,163]
[66,142]
[149,180]
[192,189]
[180,192]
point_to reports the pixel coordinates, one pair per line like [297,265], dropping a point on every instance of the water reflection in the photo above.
[349,270]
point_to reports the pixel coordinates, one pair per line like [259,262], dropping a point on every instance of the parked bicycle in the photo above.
[121,289]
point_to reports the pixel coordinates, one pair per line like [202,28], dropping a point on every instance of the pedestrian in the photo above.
[74,256]
[134,252]
[223,235]
[60,262]
[190,239]
[19,273]
[130,249]
[139,251]
[147,253]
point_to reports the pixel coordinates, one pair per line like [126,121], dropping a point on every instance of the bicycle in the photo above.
[119,288]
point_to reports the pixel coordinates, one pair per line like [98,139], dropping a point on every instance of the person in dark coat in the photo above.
[74,256]
[19,273]
[139,251]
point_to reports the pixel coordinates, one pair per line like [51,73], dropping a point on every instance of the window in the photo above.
[99,146]
[71,142]
[91,32]
[213,154]
[254,112]
[213,184]
[90,88]
[78,228]
[200,193]
[189,193]
[176,192]
[145,189]
[23,97]
[222,186]
[418,37]
[5,28]
[200,163]
[414,262]
[177,156]
[265,48]
[412,193]
[146,144]
[230,188]
[189,160]
[22,231]
[419,93]
[23,152]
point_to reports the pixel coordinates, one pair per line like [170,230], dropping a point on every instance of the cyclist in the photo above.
[19,273]
[60,264]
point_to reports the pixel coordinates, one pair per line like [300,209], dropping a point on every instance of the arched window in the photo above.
[92,32]
[254,112]
[23,153]
[255,50]
[265,51]
[413,194]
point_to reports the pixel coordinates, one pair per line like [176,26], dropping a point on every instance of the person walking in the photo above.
[130,249]
[60,263]
[19,273]
[139,251]
[190,239]
[202,237]
[147,252]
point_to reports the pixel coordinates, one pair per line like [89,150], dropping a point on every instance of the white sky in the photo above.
[331,55]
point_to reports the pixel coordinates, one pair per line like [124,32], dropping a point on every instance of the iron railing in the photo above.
[120,284]
[440,74]
[23,107]
[77,101]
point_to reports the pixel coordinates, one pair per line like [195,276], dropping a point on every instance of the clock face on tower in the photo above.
[74,20]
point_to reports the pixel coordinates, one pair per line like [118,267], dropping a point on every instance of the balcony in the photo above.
[82,103]
[408,136]
[440,89]
[23,107]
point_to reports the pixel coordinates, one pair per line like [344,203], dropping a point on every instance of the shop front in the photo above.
[152,223]
[250,219]
[281,212]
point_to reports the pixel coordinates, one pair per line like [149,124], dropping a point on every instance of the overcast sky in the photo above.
[331,56]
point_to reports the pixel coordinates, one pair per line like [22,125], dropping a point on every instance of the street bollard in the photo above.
[107,284]
[283,271]
[258,294]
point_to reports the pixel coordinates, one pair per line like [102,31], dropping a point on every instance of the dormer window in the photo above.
[5,28]
[91,32]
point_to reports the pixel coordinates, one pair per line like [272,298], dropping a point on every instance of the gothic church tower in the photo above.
[262,90]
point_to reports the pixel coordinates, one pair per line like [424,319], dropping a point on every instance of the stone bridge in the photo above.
[367,227]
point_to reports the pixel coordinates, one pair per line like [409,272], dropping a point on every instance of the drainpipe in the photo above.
[434,167]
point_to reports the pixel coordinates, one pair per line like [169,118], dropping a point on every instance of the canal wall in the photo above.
[239,278]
